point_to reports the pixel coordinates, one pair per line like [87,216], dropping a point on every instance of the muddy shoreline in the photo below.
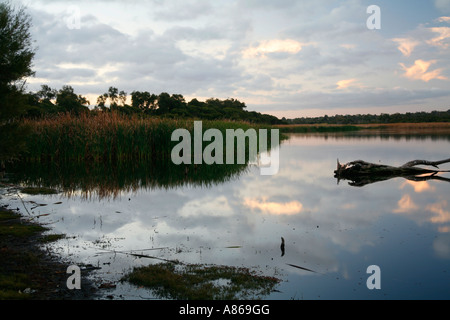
[30,272]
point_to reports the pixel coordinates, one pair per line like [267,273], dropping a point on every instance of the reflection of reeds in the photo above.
[108,181]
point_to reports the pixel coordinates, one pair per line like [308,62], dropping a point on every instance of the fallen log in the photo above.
[360,172]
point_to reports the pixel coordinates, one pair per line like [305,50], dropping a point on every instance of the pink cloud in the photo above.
[342,84]
[441,39]
[406,45]
[419,71]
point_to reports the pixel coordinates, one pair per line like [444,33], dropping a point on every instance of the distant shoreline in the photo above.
[419,127]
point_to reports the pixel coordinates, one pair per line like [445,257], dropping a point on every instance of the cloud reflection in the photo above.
[275,208]
[419,186]
[442,215]
[405,205]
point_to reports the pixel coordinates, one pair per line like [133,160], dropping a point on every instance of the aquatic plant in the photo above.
[108,137]
[202,282]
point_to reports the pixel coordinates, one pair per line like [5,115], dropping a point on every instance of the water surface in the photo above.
[331,228]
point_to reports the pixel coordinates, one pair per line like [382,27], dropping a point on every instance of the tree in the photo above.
[46,93]
[42,102]
[16,55]
[71,102]
[233,103]
[101,101]
[123,97]
[113,94]
[115,97]
[164,103]
[16,51]
[143,100]
[168,103]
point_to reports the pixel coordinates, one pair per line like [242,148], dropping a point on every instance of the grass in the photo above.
[38,190]
[26,271]
[10,226]
[201,282]
[103,137]
[51,238]
[109,137]
[14,280]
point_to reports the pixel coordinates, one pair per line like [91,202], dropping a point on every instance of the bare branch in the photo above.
[425,162]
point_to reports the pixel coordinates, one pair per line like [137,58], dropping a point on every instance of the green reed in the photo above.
[108,137]
[99,137]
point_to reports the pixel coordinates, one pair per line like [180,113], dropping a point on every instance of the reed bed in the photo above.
[109,137]
[101,137]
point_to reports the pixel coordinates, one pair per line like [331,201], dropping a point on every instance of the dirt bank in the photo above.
[27,269]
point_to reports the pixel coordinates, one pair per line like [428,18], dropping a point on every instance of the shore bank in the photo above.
[420,127]
[27,270]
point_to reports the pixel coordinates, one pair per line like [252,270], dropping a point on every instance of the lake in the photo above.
[332,231]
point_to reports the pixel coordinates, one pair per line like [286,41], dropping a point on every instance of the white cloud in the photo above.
[273,46]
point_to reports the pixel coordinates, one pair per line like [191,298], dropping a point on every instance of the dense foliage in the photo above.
[16,55]
[163,105]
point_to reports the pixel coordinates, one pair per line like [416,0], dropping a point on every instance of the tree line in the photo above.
[408,117]
[51,101]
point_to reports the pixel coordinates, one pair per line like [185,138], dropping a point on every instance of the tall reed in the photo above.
[102,137]
[109,137]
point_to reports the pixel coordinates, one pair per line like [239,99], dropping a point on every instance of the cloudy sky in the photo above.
[290,58]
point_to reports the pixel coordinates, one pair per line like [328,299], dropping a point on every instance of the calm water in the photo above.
[334,229]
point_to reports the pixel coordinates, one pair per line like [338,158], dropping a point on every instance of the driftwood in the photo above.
[361,172]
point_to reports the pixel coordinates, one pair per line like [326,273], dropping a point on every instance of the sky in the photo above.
[288,58]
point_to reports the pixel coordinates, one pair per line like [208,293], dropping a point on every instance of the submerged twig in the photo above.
[140,255]
[298,267]
[24,205]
